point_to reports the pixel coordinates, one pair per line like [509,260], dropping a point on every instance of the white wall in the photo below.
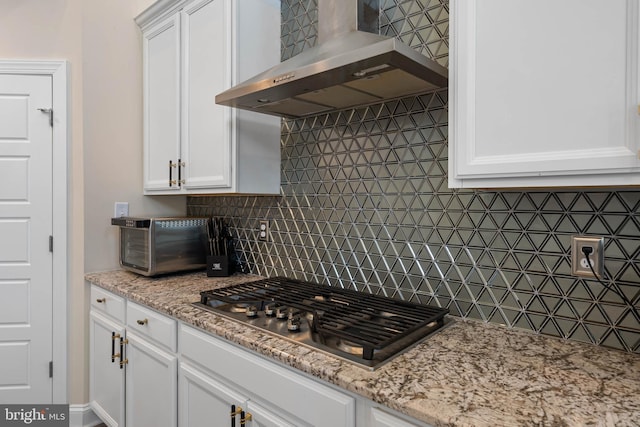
[102,44]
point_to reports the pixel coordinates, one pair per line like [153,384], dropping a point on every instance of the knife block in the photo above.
[218,266]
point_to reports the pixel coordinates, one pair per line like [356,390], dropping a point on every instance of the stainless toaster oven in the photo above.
[153,246]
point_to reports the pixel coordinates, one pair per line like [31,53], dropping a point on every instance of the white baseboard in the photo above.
[82,416]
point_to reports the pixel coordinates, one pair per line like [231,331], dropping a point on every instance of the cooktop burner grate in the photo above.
[369,321]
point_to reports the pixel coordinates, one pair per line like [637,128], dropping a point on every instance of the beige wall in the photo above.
[112,142]
[112,88]
[34,29]
[102,45]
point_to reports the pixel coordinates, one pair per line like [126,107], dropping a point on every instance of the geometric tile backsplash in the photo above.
[364,204]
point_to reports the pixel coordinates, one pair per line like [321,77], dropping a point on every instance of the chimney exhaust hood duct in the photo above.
[352,65]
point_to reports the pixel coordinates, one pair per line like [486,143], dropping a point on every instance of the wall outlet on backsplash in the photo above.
[594,250]
[263,231]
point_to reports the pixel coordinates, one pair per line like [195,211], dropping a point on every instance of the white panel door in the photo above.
[25,227]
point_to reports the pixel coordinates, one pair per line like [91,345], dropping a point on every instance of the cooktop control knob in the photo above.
[282,312]
[270,310]
[252,311]
[293,323]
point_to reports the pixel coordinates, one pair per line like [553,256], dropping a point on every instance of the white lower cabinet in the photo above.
[383,419]
[151,384]
[217,374]
[147,370]
[205,401]
[106,379]
[262,417]
[133,364]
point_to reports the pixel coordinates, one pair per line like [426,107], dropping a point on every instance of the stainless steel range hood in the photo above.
[350,66]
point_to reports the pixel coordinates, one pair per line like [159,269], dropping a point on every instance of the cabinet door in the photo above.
[206,127]
[106,379]
[383,419]
[152,386]
[161,54]
[263,417]
[544,93]
[295,398]
[205,401]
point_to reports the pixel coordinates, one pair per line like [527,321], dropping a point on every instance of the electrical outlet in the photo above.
[579,263]
[263,232]
[121,209]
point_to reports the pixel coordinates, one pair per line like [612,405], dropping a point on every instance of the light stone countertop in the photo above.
[469,374]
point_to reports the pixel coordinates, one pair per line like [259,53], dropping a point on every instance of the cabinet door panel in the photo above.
[262,417]
[206,72]
[105,302]
[382,419]
[544,89]
[298,396]
[161,46]
[154,327]
[151,385]
[205,401]
[106,379]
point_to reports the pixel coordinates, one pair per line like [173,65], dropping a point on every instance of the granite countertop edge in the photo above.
[469,374]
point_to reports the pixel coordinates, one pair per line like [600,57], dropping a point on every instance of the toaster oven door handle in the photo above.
[129,222]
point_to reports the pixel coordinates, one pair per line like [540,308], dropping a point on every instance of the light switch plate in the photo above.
[121,209]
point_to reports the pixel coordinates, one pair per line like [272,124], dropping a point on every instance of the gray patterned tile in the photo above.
[365,205]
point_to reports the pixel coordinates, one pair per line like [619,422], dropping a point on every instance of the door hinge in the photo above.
[48,111]
[51,369]
[50,243]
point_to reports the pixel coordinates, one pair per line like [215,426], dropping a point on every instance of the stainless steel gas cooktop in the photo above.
[362,328]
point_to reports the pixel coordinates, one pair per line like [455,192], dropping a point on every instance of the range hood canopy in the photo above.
[352,65]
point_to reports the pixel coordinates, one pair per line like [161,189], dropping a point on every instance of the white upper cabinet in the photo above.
[161,102]
[544,93]
[193,50]
[206,126]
